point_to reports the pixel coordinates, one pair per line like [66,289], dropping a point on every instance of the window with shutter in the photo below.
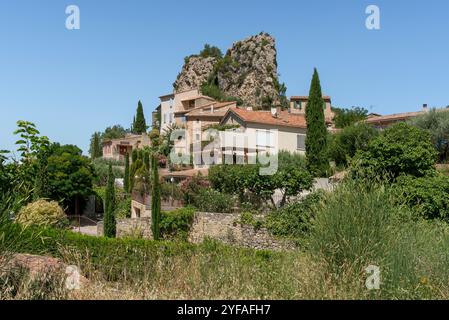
[301,142]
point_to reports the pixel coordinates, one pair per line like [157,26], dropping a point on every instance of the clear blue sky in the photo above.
[72,83]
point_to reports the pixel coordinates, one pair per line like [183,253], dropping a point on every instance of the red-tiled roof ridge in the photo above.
[307,98]
[285,118]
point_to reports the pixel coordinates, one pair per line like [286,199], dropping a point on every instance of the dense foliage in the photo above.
[344,144]
[295,219]
[437,124]
[347,117]
[70,176]
[401,149]
[316,139]
[176,224]
[101,169]
[427,196]
[210,200]
[246,182]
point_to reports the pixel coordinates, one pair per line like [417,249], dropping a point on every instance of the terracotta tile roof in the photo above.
[219,109]
[394,117]
[285,119]
[400,116]
[326,98]
[198,97]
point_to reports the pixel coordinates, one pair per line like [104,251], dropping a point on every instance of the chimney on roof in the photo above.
[425,107]
[276,111]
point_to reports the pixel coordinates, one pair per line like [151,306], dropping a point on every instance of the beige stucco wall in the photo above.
[145,211]
[111,148]
[327,112]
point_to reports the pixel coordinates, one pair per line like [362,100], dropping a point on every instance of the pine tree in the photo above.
[109,214]
[126,177]
[155,200]
[316,139]
[139,124]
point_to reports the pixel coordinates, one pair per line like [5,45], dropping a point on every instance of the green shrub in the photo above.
[401,149]
[123,206]
[246,182]
[437,124]
[210,200]
[176,224]
[428,196]
[171,191]
[344,145]
[42,213]
[294,220]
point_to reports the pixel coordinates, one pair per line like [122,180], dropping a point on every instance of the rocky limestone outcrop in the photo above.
[248,72]
[251,73]
[194,73]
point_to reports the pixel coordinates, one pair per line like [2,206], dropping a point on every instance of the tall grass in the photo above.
[360,225]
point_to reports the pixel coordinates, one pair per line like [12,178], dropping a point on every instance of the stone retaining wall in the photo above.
[220,226]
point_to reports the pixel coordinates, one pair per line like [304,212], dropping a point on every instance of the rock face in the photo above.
[248,72]
[194,73]
[251,74]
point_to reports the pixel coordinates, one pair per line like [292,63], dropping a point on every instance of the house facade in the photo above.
[298,105]
[116,149]
[175,106]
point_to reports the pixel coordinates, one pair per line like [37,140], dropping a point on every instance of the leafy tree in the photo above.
[401,149]
[155,199]
[344,144]
[139,124]
[126,177]
[292,176]
[33,148]
[109,216]
[70,176]
[316,139]
[30,143]
[114,132]
[346,117]
[437,124]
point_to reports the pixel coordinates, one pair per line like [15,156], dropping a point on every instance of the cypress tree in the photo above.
[109,214]
[139,125]
[316,139]
[146,160]
[126,177]
[134,155]
[96,153]
[155,200]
